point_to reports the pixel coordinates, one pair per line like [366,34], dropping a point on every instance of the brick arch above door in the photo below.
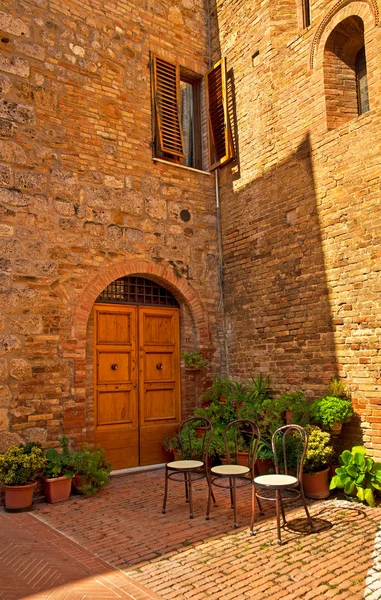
[180,288]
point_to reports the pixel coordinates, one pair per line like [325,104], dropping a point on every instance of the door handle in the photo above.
[114,367]
[159,366]
[134,385]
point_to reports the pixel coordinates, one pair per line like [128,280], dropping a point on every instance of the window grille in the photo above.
[137,290]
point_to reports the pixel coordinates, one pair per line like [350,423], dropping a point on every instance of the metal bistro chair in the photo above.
[233,475]
[283,487]
[189,469]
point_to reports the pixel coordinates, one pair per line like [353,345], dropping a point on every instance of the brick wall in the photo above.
[80,194]
[300,209]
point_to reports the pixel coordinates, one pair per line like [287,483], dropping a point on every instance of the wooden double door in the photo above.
[137,382]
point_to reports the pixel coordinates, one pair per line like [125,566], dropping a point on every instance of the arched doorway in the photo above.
[136,371]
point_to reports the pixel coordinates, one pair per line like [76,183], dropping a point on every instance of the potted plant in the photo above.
[358,474]
[293,408]
[58,474]
[316,463]
[20,467]
[91,470]
[265,457]
[194,360]
[331,412]
[172,445]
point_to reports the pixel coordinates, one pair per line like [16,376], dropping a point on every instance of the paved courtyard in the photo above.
[118,544]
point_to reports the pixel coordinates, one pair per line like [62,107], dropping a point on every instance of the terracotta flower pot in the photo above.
[264,465]
[57,489]
[316,484]
[200,432]
[336,428]
[79,482]
[243,459]
[19,497]
[288,417]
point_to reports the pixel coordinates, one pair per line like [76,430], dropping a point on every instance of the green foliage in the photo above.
[58,464]
[264,449]
[329,410]
[195,360]
[338,389]
[295,401]
[358,473]
[93,467]
[319,450]
[259,389]
[22,464]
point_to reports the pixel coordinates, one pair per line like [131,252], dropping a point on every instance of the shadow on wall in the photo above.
[276,296]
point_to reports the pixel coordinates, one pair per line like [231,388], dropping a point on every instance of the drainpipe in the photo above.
[221,306]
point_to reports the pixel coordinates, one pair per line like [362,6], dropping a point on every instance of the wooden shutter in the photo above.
[220,138]
[166,96]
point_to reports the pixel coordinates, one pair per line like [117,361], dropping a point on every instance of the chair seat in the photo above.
[185,464]
[275,481]
[232,470]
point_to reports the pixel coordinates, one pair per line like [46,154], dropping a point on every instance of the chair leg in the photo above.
[165,492]
[261,511]
[190,495]
[253,496]
[277,500]
[235,504]
[306,509]
[282,508]
[210,495]
[232,503]
[186,488]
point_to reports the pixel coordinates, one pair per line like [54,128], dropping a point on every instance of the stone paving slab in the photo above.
[178,558]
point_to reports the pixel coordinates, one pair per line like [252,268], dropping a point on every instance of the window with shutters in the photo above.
[177,106]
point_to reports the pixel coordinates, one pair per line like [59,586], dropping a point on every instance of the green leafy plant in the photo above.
[93,467]
[337,388]
[296,402]
[264,449]
[195,360]
[58,464]
[21,464]
[330,409]
[259,389]
[319,450]
[358,473]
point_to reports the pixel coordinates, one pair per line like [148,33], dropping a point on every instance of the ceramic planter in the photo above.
[336,428]
[57,489]
[316,484]
[264,465]
[19,498]
[79,482]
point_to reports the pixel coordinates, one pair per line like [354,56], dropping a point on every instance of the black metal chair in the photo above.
[234,475]
[282,486]
[194,462]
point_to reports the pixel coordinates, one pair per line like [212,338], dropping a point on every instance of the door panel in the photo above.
[137,386]
[116,377]
[159,379]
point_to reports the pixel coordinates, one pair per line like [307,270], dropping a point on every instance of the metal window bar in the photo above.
[137,290]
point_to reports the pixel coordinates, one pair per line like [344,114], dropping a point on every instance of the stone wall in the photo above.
[80,194]
[301,208]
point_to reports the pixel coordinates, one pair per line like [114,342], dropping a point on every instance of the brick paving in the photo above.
[178,558]
[37,562]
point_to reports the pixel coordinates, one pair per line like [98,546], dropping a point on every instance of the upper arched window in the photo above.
[345,76]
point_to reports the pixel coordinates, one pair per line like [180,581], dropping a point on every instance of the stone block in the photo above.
[36,434]
[12,153]
[9,343]
[8,439]
[5,392]
[4,419]
[14,65]
[20,369]
[12,25]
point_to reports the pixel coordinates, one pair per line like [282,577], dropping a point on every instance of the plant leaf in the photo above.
[369,497]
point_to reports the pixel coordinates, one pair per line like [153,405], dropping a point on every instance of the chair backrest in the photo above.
[242,435]
[289,445]
[195,435]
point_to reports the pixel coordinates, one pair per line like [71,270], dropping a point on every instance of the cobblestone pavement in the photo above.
[178,558]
